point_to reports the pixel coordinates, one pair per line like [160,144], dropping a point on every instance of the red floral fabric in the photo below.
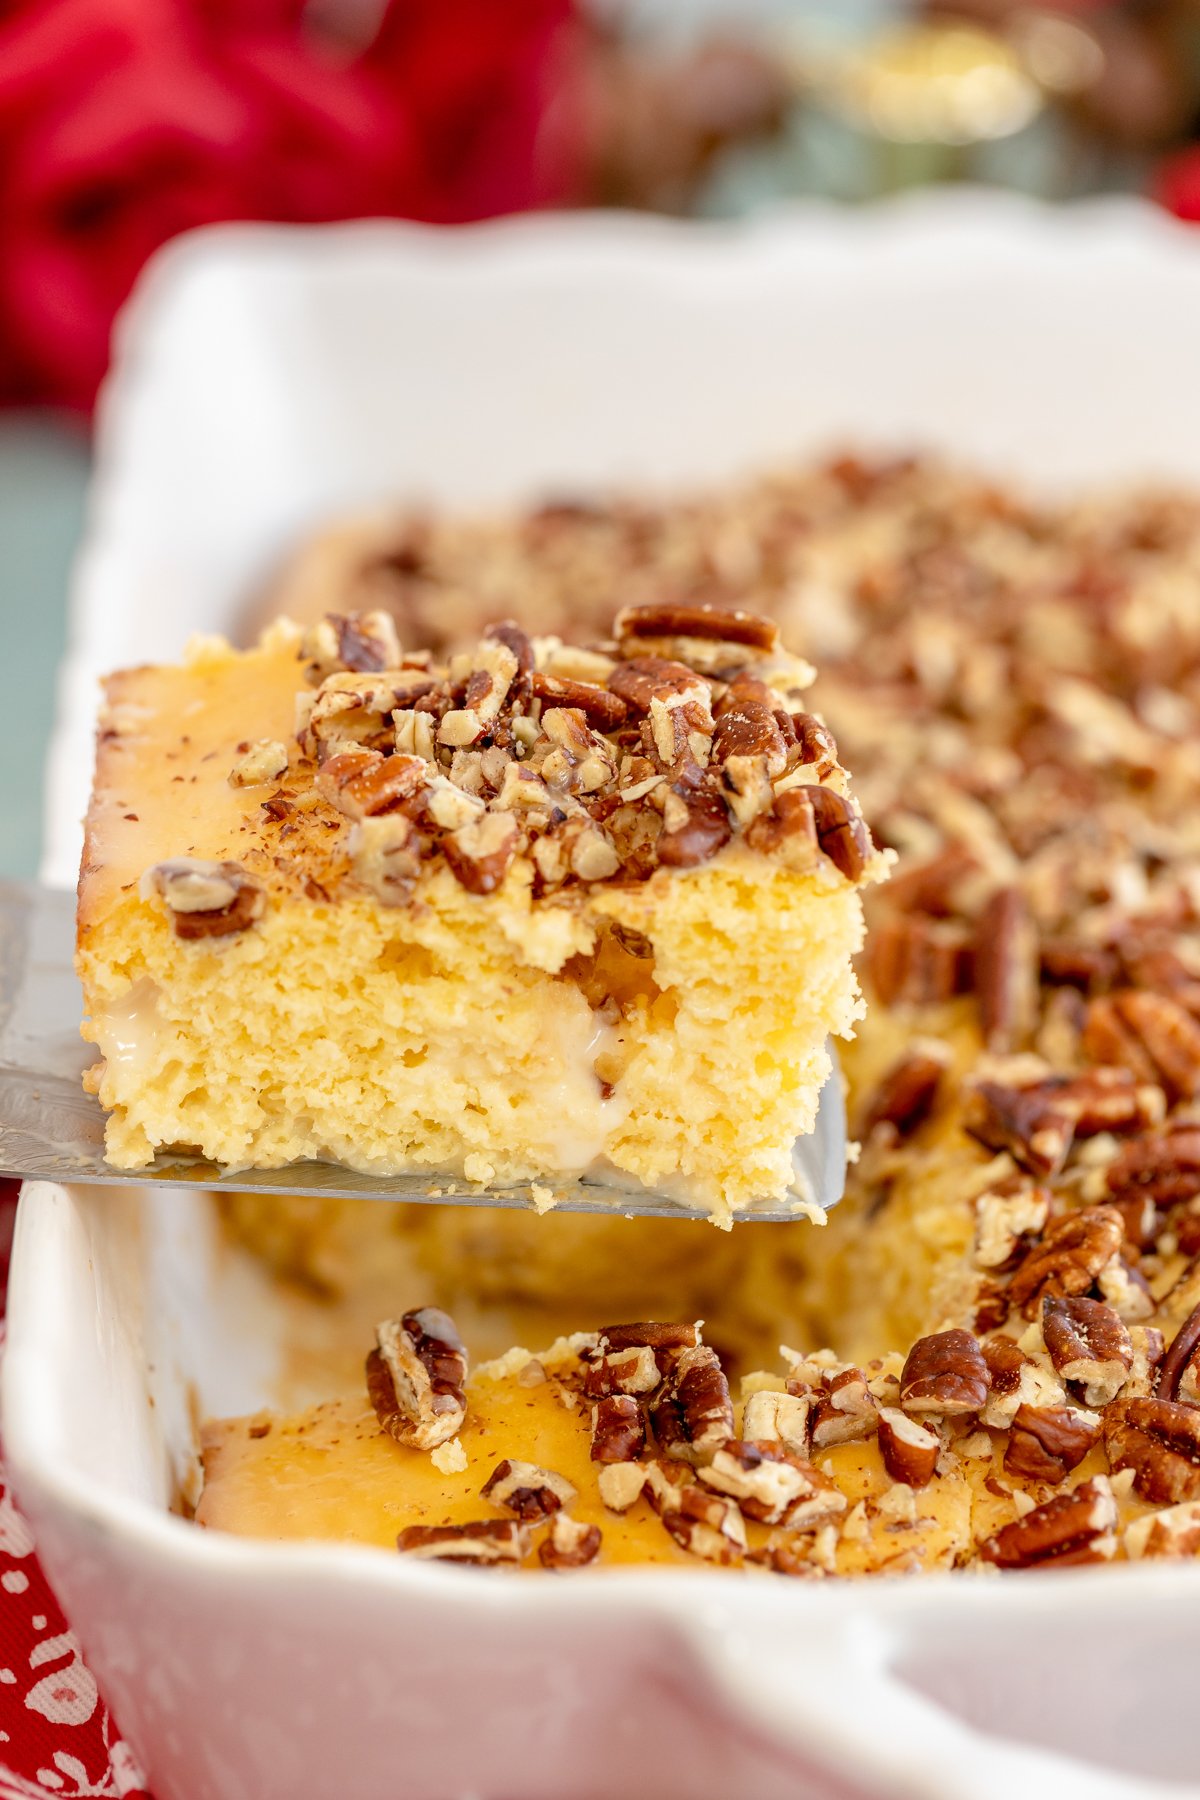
[57,1737]
[124,122]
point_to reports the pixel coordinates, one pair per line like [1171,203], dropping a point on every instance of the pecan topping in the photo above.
[527,1490]
[618,1429]
[1169,1035]
[648,678]
[1160,1441]
[1006,969]
[1072,1253]
[1079,1527]
[693,1413]
[363,784]
[1179,1360]
[483,1541]
[416,1378]
[695,827]
[1004,1217]
[946,1374]
[632,1371]
[1046,1442]
[814,742]
[650,1332]
[764,1479]
[750,730]
[363,643]
[910,1451]
[721,624]
[204,899]
[908,1092]
[705,1524]
[1088,1343]
[599,707]
[769,1417]
[845,1411]
[841,832]
[788,830]
[620,1484]
[1030,1123]
[510,634]
[570,1544]
[1173,1532]
[1166,1166]
[480,853]
[258,762]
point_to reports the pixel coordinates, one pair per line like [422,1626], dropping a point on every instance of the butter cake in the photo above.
[1017,688]
[535,912]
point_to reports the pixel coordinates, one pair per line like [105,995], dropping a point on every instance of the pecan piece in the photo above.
[695,823]
[1017,1380]
[769,1417]
[750,730]
[1169,1035]
[945,1373]
[604,710]
[620,1484]
[363,784]
[1028,1122]
[416,1378]
[788,830]
[618,1429]
[1172,1532]
[842,834]
[1006,969]
[479,854]
[910,1451]
[647,678]
[483,1541]
[632,1371]
[725,625]
[908,1092]
[527,1490]
[363,642]
[1005,1216]
[1107,1099]
[1072,1254]
[1160,1441]
[259,762]
[845,1411]
[1046,1442]
[814,743]
[693,1413]
[510,634]
[1079,1527]
[570,1544]
[706,1525]
[653,1333]
[1177,1371]
[1166,1166]
[204,899]
[1089,1343]
[765,1480]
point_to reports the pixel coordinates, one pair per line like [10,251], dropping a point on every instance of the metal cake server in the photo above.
[50,1130]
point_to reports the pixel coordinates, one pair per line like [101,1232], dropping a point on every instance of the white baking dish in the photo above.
[267,378]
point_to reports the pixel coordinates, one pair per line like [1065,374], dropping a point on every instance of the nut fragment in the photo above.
[906,1095]
[693,1412]
[607,711]
[766,1481]
[483,1541]
[204,899]
[707,1525]
[259,762]
[1179,1360]
[527,1490]
[1029,1122]
[1046,1442]
[845,1412]
[618,1429]
[769,1417]
[416,1378]
[1006,964]
[1079,1527]
[1173,1532]
[910,1451]
[632,1371]
[1072,1253]
[1160,1441]
[945,1374]
[1004,1217]
[620,1484]
[570,1544]
[1088,1343]
[480,853]
[724,625]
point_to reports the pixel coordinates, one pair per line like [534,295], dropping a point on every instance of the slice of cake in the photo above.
[537,913]
[627,1445]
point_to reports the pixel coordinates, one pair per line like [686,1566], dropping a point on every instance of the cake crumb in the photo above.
[543,1197]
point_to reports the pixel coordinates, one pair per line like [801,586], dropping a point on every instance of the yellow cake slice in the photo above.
[536,913]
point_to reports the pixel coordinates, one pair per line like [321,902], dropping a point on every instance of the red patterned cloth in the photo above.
[57,1737]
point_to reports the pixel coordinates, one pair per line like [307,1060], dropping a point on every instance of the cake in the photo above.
[1017,688]
[535,913]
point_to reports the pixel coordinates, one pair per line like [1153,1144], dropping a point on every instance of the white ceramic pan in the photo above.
[266,379]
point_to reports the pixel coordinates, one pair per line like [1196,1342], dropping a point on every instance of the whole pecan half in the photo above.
[1169,1035]
[1089,1343]
[1079,1527]
[1164,1165]
[1028,1122]
[1160,1441]
[1071,1255]
[726,625]
[946,1374]
[841,830]
[481,1541]
[1179,1356]
[1006,969]
[1046,1442]
[618,1429]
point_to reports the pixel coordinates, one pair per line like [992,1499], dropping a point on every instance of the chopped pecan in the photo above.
[510,634]
[618,1429]
[906,1095]
[1079,1527]
[750,730]
[363,642]
[695,823]
[769,1417]
[416,1378]
[1173,1532]
[1006,969]
[910,1451]
[1107,1099]
[723,625]
[1069,963]
[1160,1441]
[1005,1216]
[1108,1040]
[648,678]
[1126,1289]
[918,959]
[814,743]
[706,1525]
[606,711]
[841,830]
[766,1481]
[1088,1343]
[1070,1257]
[1028,1122]
[1017,1380]
[1165,1165]
[788,830]
[1179,1361]
[632,1371]
[620,1484]
[1168,1034]
[527,1490]
[654,1333]
[944,1373]
[480,853]
[363,784]
[693,1413]
[204,899]
[484,1541]
[258,762]
[845,1411]
[570,1544]
[1046,1442]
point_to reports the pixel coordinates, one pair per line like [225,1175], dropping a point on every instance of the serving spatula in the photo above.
[50,1130]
